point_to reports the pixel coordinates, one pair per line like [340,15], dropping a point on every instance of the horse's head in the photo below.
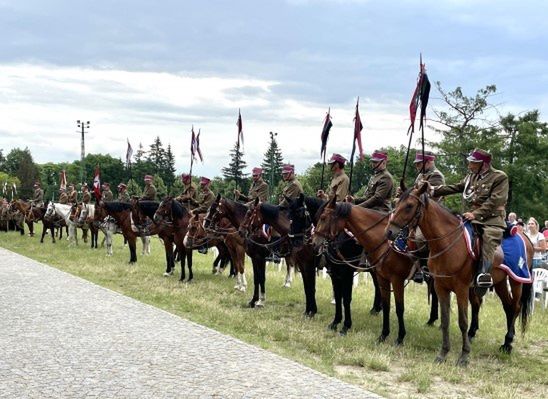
[253,219]
[331,222]
[50,209]
[100,212]
[300,220]
[163,213]
[195,231]
[136,213]
[211,212]
[408,210]
[83,213]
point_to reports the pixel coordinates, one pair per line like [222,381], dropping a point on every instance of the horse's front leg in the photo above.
[445,302]
[384,288]
[434,306]
[475,302]
[399,299]
[347,287]
[255,297]
[462,302]
[377,300]
[189,261]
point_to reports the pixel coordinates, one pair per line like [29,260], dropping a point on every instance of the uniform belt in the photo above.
[498,208]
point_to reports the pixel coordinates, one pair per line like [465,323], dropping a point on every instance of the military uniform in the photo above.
[189,193]
[73,196]
[206,199]
[86,197]
[259,189]
[485,196]
[123,196]
[38,197]
[378,193]
[107,195]
[150,193]
[63,198]
[292,190]
[432,176]
[338,187]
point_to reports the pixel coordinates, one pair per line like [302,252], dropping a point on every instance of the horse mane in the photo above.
[239,209]
[148,207]
[314,204]
[426,199]
[270,211]
[342,209]
[178,211]
[115,206]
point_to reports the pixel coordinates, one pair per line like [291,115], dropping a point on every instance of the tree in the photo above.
[176,188]
[168,173]
[133,188]
[6,185]
[161,189]
[234,170]
[272,164]
[112,169]
[2,160]
[19,163]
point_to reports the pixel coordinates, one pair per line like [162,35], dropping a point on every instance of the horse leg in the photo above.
[170,265]
[347,286]
[30,225]
[377,300]
[475,304]
[262,283]
[44,231]
[289,269]
[434,304]
[462,303]
[132,244]
[399,294]
[337,294]
[445,302]
[511,305]
[182,259]
[189,261]
[384,288]
[216,262]
[255,284]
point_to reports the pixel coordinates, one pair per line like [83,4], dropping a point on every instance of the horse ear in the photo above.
[333,202]
[423,188]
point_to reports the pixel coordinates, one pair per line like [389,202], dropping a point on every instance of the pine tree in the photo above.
[168,172]
[161,189]
[157,156]
[133,188]
[176,188]
[272,163]
[140,154]
[234,170]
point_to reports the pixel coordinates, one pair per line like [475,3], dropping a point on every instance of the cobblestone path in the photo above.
[61,336]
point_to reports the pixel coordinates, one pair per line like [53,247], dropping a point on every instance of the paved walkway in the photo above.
[61,336]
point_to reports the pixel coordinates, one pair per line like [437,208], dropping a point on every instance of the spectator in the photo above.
[512,218]
[521,226]
[545,230]
[538,240]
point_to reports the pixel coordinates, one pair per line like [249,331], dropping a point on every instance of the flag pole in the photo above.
[351,167]
[323,168]
[421,115]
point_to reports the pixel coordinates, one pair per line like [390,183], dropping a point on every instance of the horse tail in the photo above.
[526,300]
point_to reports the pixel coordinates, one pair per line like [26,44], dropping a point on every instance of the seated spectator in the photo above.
[538,240]
[512,218]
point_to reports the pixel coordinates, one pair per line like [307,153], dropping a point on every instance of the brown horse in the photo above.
[391,267]
[84,219]
[121,213]
[453,270]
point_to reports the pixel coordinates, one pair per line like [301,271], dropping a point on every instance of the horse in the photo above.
[453,270]
[66,212]
[85,215]
[170,223]
[367,226]
[34,214]
[303,214]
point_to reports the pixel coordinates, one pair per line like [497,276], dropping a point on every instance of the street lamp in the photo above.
[83,126]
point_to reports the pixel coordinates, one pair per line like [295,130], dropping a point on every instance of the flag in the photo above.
[325,132]
[193,145]
[420,97]
[97,184]
[198,146]
[358,129]
[240,129]
[62,180]
[129,153]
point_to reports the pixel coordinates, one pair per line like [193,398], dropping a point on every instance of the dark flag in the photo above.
[97,184]
[420,97]
[129,153]
[198,151]
[240,129]
[325,132]
[358,129]
[193,145]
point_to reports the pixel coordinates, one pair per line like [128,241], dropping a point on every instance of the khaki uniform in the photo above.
[206,199]
[378,193]
[485,196]
[86,197]
[432,176]
[189,194]
[258,189]
[338,188]
[150,193]
[124,197]
[72,196]
[38,197]
[63,198]
[292,190]
[107,195]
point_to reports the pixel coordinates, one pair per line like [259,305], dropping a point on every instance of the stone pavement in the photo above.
[61,336]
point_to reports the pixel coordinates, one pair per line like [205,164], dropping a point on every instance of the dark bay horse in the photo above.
[453,269]
[121,213]
[342,260]
[34,214]
[171,219]
[391,267]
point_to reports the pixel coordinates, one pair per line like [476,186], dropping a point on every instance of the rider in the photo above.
[106,195]
[38,197]
[206,196]
[63,197]
[123,196]
[378,193]
[189,194]
[340,182]
[150,190]
[293,187]
[485,192]
[86,196]
[72,194]
[258,189]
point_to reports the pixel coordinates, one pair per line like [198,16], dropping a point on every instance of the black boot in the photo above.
[484,281]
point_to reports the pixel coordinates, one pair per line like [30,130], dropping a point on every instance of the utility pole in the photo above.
[83,126]
[272,135]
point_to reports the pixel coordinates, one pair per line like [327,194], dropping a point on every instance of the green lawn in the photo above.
[406,371]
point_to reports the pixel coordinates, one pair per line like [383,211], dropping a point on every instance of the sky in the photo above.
[140,69]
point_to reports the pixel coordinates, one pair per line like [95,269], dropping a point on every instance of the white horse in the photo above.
[64,211]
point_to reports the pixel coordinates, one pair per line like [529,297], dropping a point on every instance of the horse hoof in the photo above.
[259,304]
[471,338]
[251,304]
[381,339]
[398,342]
[430,323]
[462,361]
[374,311]
[344,331]
[242,289]
[167,274]
[439,359]
[287,285]
[506,349]
[332,327]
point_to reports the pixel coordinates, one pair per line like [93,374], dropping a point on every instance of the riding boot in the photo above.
[363,260]
[484,281]
[418,277]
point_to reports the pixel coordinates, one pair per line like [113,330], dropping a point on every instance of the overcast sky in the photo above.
[139,69]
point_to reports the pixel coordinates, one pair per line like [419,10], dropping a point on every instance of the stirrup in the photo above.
[418,277]
[484,280]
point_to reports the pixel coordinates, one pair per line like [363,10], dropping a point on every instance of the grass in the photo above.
[406,371]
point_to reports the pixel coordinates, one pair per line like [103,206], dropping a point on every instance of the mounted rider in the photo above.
[258,189]
[86,196]
[293,188]
[106,194]
[72,194]
[485,192]
[189,195]
[206,196]
[63,197]
[150,190]
[378,192]
[123,195]
[340,183]
[38,196]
